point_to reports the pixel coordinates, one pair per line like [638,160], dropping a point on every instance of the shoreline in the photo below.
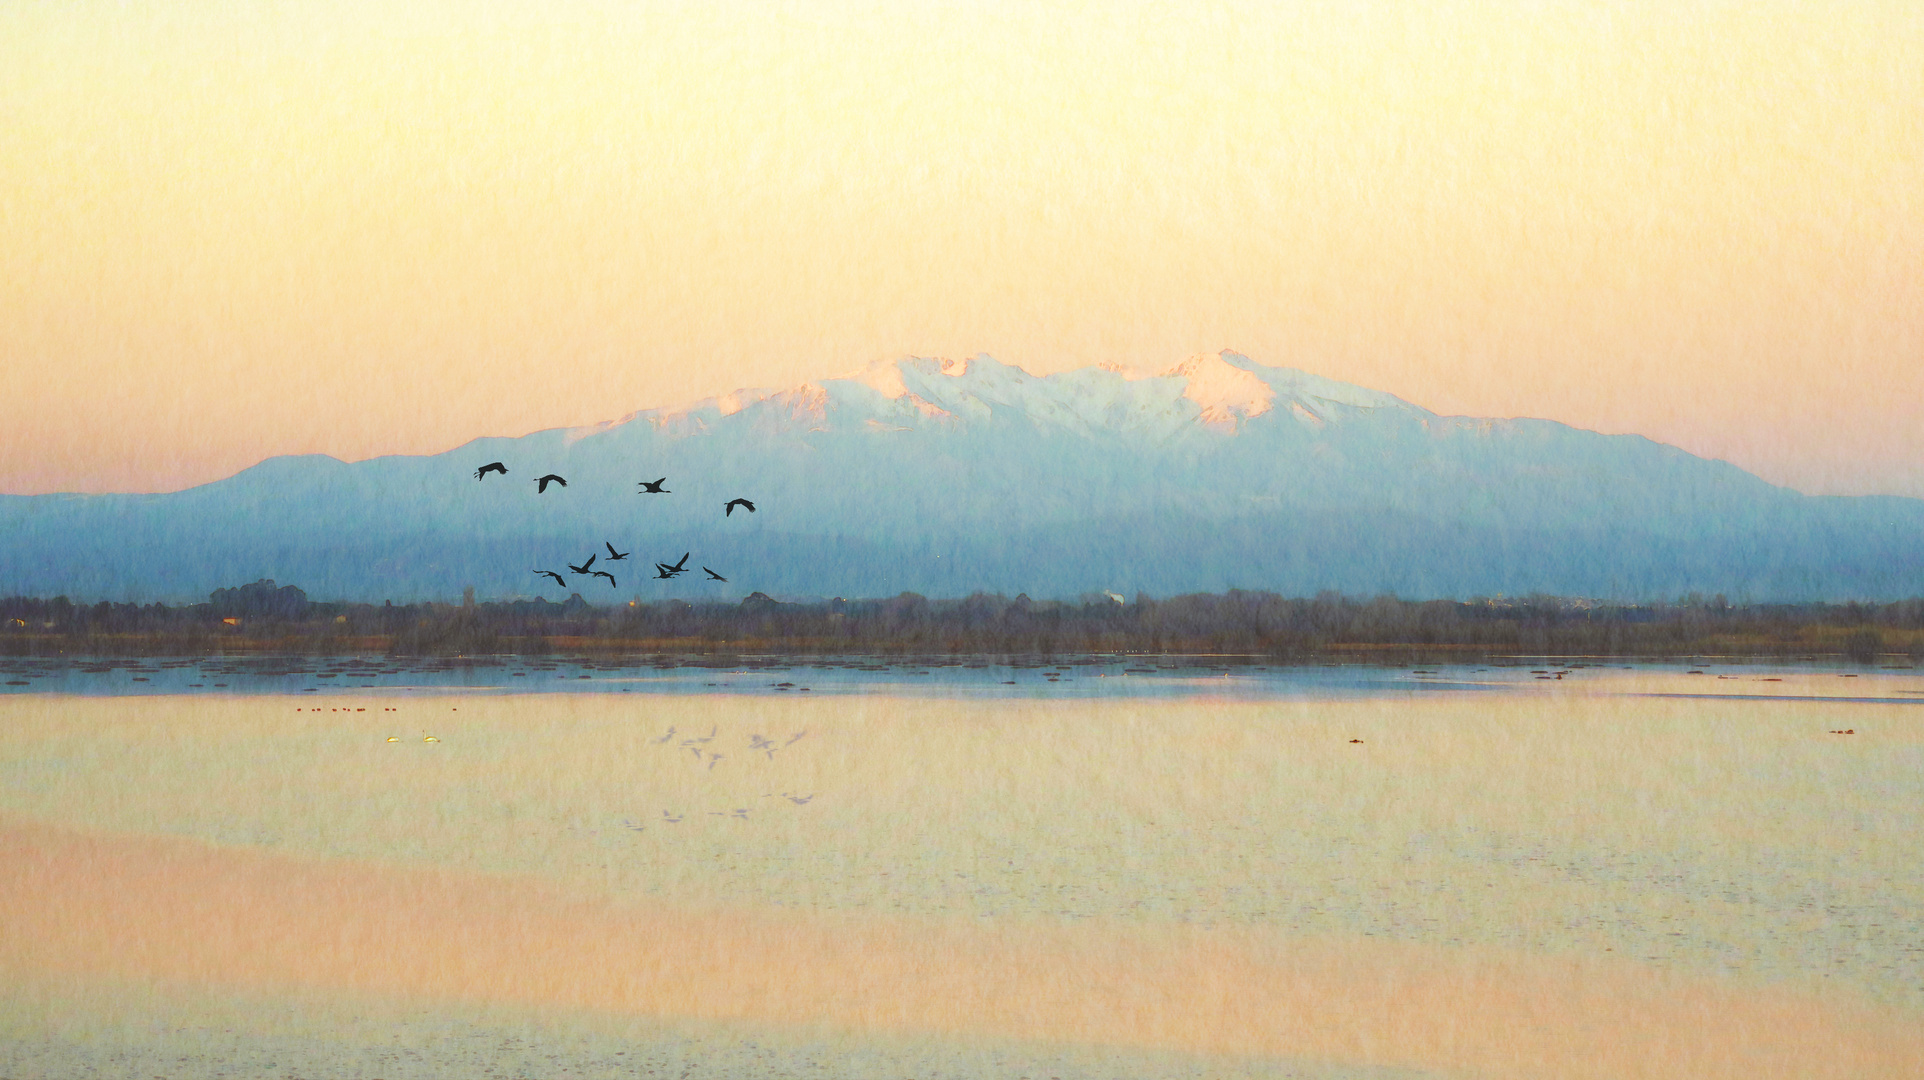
[29,647]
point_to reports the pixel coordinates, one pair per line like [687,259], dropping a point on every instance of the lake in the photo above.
[923,866]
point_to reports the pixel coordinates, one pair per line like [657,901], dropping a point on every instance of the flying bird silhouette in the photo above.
[664,572]
[492,466]
[611,578]
[714,576]
[544,481]
[558,579]
[733,503]
[681,567]
[613,555]
[584,567]
[653,488]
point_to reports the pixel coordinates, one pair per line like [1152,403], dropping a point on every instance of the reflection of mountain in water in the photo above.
[945,477]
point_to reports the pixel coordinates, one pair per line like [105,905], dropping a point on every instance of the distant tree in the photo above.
[1863,645]
[260,600]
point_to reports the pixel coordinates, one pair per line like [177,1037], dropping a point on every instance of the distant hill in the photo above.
[948,477]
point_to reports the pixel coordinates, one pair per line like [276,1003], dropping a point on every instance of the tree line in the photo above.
[263,616]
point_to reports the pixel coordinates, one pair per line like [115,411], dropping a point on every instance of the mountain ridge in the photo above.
[1093,479]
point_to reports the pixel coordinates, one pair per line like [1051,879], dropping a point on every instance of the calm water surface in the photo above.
[988,678]
[1709,819]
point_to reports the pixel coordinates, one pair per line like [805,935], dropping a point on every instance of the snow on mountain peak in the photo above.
[1314,391]
[731,403]
[689,418]
[1227,394]
[1221,393]
[884,377]
[807,402]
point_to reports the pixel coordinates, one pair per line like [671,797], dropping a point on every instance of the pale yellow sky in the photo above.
[236,230]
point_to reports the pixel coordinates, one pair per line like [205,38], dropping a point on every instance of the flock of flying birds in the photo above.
[663,571]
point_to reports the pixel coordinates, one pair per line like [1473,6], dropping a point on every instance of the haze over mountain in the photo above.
[949,476]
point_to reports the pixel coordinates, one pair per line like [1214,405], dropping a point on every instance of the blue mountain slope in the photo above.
[946,477]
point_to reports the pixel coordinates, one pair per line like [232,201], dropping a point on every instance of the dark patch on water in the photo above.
[1089,676]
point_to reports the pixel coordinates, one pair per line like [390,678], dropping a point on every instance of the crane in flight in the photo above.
[586,567]
[712,575]
[654,487]
[544,481]
[612,583]
[558,579]
[729,511]
[613,555]
[492,466]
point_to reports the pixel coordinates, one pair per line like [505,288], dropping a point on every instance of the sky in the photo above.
[229,231]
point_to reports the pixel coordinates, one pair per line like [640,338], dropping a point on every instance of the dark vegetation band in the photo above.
[264,617]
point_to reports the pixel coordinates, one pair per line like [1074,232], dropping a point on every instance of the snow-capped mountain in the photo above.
[949,476]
